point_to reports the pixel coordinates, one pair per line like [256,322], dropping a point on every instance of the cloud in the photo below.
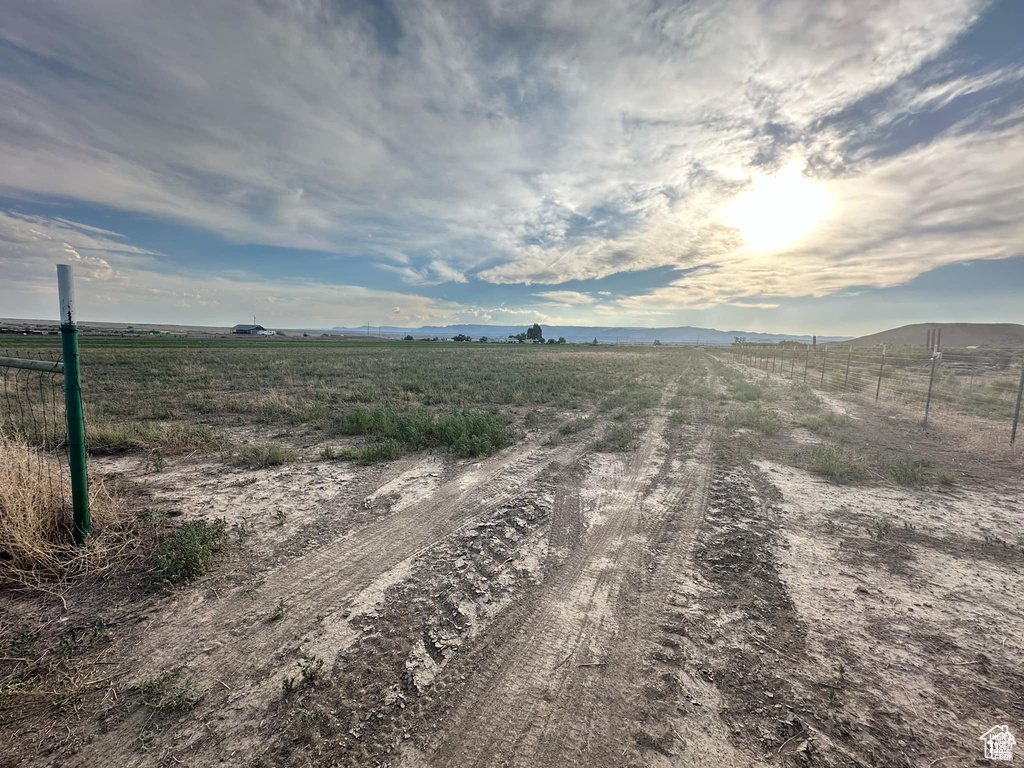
[523,142]
[565,298]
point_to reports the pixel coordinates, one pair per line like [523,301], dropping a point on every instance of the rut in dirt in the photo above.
[227,646]
[562,680]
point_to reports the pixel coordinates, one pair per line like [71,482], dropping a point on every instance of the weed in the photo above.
[757,418]
[311,668]
[532,419]
[108,438]
[829,423]
[23,642]
[288,686]
[907,472]
[261,455]
[243,531]
[467,433]
[617,437]
[835,462]
[679,417]
[188,551]
[278,613]
[575,426]
[245,481]
[157,462]
[945,477]
[280,516]
[161,695]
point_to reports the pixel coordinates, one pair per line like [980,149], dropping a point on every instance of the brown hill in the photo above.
[953,335]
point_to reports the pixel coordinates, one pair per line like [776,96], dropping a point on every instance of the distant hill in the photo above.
[953,335]
[684,334]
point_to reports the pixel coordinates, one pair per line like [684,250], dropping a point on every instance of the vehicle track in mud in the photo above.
[234,653]
[566,678]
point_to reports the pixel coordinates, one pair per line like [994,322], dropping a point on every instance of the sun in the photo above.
[777,210]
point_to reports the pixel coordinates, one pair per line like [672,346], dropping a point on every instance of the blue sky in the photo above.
[802,166]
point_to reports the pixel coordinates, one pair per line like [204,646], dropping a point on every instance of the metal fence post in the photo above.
[1016,411]
[807,357]
[846,381]
[824,359]
[881,365]
[73,405]
[931,380]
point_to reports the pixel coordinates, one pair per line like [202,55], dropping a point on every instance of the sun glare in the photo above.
[777,210]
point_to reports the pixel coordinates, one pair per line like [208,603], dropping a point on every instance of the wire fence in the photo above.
[981,385]
[33,427]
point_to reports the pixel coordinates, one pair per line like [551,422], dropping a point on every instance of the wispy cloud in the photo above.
[565,298]
[525,142]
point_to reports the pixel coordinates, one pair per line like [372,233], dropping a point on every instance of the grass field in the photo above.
[424,554]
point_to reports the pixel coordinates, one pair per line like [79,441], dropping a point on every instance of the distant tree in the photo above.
[657,343]
[739,339]
[409,338]
[280,333]
[535,334]
[594,342]
[461,337]
[561,339]
[435,339]
[520,337]
[305,335]
[484,339]
[552,341]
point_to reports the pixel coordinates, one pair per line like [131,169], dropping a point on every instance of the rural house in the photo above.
[252,330]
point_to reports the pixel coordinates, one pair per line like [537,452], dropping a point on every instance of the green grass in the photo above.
[262,455]
[746,391]
[575,426]
[829,423]
[836,463]
[757,418]
[617,437]
[188,551]
[110,438]
[907,472]
[466,433]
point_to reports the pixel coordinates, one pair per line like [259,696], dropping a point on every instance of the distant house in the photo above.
[252,330]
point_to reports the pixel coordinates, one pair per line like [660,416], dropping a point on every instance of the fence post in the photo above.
[775,353]
[73,405]
[792,364]
[1016,411]
[846,381]
[824,359]
[931,380]
[807,357]
[881,365]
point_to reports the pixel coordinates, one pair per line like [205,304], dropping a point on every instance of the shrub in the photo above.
[836,463]
[576,425]
[829,423]
[908,472]
[618,437]
[261,455]
[757,418]
[188,551]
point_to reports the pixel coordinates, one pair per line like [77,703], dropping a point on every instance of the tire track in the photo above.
[230,648]
[532,704]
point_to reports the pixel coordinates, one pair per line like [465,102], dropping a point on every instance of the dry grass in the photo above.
[35,517]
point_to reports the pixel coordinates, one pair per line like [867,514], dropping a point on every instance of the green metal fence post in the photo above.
[73,405]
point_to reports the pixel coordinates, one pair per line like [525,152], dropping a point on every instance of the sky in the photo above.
[789,166]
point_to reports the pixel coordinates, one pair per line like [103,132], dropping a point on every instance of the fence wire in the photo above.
[979,385]
[32,417]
